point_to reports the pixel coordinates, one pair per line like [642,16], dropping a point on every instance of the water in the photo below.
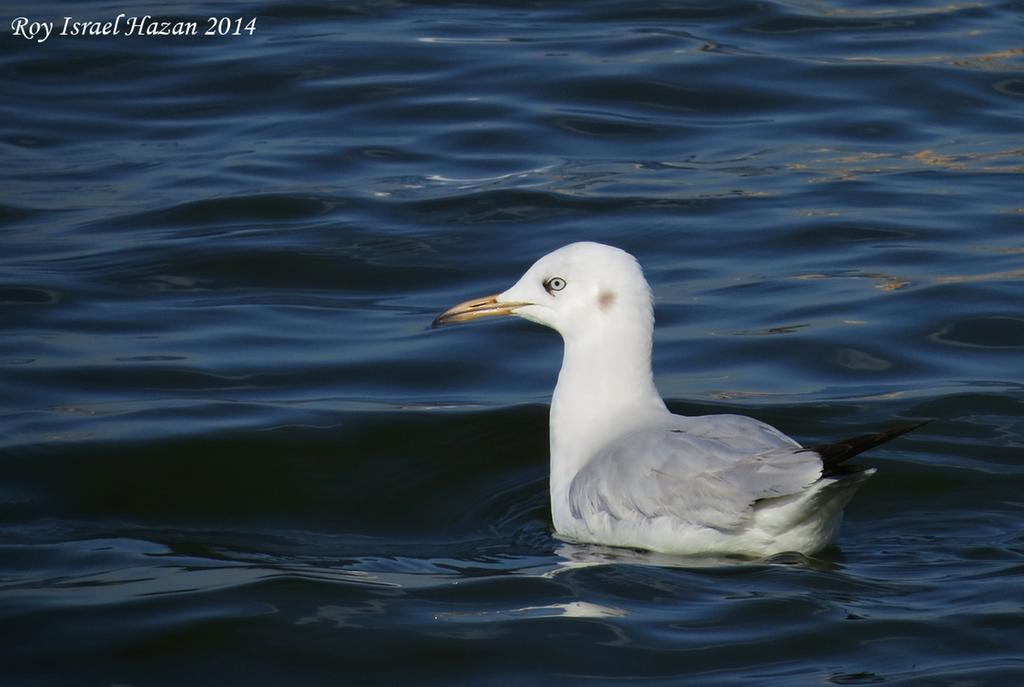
[233,451]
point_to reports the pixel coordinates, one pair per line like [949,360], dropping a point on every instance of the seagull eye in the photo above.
[554,284]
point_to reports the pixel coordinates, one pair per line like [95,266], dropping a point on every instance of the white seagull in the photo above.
[627,472]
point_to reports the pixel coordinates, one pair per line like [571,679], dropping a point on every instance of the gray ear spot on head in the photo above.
[605,300]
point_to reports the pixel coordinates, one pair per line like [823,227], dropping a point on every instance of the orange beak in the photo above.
[488,306]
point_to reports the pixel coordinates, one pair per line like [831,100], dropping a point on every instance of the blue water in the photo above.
[232,450]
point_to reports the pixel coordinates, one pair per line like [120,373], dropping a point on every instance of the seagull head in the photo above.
[581,289]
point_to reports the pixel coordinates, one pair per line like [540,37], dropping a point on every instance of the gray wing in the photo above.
[705,471]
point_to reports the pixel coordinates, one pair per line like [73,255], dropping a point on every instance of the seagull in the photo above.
[627,472]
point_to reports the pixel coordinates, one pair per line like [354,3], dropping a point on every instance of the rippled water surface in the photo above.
[232,450]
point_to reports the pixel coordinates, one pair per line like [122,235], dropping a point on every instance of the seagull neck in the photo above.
[609,372]
[604,388]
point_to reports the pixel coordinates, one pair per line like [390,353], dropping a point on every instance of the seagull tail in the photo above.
[834,455]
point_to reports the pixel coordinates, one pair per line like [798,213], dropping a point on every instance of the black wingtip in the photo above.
[834,455]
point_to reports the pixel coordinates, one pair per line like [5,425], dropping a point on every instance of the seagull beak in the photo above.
[488,306]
